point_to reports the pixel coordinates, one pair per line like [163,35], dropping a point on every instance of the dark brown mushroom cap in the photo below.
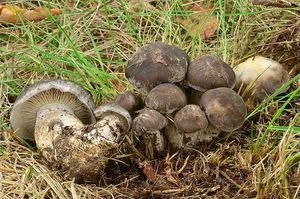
[149,120]
[156,63]
[224,108]
[190,119]
[208,72]
[129,101]
[54,91]
[166,98]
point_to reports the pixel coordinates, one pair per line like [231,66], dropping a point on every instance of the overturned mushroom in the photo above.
[190,122]
[49,96]
[149,124]
[58,115]
[208,72]
[224,108]
[259,77]
[166,98]
[156,63]
[129,101]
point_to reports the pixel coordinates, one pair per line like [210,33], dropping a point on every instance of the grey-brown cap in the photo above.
[208,72]
[166,98]
[156,63]
[129,101]
[190,119]
[54,91]
[224,108]
[149,120]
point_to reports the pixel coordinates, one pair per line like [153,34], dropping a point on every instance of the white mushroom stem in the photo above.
[154,141]
[50,121]
[175,138]
[178,139]
[209,133]
[159,141]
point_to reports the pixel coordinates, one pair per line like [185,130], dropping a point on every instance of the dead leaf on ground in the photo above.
[200,22]
[13,14]
[9,14]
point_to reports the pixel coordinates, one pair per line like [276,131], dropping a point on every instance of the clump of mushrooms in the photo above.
[196,99]
[59,116]
[181,105]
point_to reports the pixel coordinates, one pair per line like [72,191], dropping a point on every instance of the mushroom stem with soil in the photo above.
[59,116]
[149,125]
[112,120]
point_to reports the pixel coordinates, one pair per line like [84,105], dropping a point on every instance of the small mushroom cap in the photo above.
[166,98]
[190,119]
[265,75]
[208,72]
[149,120]
[34,97]
[129,101]
[116,110]
[224,108]
[156,63]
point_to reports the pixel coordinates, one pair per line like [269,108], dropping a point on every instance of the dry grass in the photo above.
[90,43]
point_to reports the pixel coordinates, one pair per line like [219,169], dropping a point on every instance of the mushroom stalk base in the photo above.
[154,143]
[178,139]
[50,121]
[108,129]
[80,152]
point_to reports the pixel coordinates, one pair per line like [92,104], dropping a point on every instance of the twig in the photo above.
[231,180]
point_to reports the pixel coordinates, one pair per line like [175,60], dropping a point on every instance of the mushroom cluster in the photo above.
[176,105]
[184,104]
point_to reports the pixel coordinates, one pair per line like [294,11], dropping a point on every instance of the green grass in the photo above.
[90,42]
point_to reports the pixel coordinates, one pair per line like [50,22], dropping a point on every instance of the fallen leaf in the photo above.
[12,14]
[39,13]
[200,22]
[9,14]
